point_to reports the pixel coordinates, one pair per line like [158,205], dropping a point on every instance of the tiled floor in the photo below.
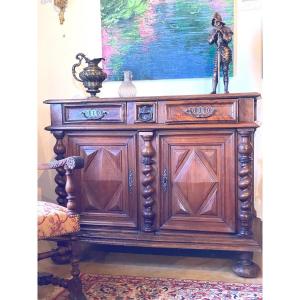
[150,262]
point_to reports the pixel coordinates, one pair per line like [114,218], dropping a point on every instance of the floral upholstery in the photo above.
[53,220]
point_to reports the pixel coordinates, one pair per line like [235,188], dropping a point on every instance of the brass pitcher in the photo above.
[92,76]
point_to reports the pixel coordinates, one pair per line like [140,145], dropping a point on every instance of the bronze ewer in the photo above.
[91,76]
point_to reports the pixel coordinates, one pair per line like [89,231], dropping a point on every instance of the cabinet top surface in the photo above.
[158,98]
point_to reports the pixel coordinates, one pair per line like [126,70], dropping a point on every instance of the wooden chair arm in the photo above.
[69,164]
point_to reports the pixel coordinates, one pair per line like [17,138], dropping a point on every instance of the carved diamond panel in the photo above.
[201,179]
[102,178]
[211,157]
[194,183]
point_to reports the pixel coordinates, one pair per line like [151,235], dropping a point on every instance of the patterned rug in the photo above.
[112,287]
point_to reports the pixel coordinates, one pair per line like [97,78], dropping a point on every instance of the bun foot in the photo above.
[245,267]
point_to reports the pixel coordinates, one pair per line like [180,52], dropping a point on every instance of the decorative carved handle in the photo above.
[93,114]
[164,180]
[79,56]
[130,181]
[200,111]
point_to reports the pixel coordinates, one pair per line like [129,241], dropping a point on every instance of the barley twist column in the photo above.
[148,153]
[59,150]
[244,266]
[245,182]
[60,179]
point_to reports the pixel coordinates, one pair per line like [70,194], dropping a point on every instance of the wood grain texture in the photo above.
[95,113]
[105,195]
[201,180]
[253,95]
[186,112]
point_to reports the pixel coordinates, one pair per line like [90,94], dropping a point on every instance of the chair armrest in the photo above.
[69,164]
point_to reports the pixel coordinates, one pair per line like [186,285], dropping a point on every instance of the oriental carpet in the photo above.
[112,287]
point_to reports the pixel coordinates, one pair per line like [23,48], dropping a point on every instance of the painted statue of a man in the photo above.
[221,35]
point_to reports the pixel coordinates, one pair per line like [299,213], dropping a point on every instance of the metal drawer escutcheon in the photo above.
[93,114]
[145,113]
[200,111]
[164,180]
[130,180]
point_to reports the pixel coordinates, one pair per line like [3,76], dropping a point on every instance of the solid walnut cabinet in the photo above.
[169,171]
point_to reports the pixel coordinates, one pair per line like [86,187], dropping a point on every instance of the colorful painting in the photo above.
[160,39]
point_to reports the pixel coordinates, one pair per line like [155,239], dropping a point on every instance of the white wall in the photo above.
[81,32]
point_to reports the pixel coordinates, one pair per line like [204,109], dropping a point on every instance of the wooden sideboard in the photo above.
[170,172]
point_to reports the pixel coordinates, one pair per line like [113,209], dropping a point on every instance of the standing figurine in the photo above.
[221,35]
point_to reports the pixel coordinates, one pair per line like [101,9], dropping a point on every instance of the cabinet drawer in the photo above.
[200,111]
[97,113]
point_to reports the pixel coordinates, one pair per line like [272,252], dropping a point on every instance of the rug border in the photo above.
[60,290]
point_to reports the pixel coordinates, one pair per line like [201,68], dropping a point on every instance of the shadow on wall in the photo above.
[257,43]
[258,188]
[46,186]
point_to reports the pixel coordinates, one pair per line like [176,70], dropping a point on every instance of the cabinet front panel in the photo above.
[197,180]
[201,111]
[108,183]
[94,113]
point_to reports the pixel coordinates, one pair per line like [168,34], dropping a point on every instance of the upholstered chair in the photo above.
[58,223]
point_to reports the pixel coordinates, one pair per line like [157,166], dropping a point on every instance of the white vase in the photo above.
[127,88]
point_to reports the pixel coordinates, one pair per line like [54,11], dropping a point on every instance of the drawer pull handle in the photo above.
[93,114]
[164,180]
[200,111]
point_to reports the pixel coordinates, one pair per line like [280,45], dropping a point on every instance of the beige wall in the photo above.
[57,47]
[81,32]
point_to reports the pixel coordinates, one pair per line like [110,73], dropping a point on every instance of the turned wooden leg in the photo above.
[59,258]
[74,284]
[244,266]
[60,179]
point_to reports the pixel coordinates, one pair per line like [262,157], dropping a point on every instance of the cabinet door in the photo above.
[198,177]
[107,181]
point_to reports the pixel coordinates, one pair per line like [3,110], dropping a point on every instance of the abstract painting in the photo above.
[160,39]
